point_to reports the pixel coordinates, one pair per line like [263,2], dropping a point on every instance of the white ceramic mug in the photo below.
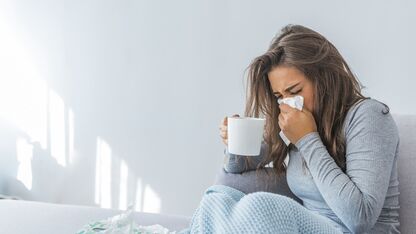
[245,135]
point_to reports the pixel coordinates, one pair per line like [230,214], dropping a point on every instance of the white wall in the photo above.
[145,84]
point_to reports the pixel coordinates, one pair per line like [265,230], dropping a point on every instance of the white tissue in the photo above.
[122,224]
[295,102]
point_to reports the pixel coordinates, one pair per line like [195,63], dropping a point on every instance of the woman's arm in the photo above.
[358,195]
[235,163]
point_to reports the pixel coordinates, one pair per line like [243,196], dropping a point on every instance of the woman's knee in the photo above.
[271,196]
[271,201]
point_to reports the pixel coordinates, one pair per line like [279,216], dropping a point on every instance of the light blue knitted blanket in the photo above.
[224,209]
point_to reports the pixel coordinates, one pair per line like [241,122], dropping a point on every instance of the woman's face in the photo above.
[288,81]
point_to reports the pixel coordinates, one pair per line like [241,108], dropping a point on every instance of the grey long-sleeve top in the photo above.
[364,199]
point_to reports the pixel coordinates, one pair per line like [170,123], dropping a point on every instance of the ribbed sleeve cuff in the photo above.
[234,162]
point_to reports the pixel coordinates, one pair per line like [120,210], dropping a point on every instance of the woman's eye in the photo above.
[292,93]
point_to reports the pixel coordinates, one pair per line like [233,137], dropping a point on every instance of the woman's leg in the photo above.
[226,210]
[289,214]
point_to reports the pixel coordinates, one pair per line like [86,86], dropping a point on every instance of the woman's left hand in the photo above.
[295,123]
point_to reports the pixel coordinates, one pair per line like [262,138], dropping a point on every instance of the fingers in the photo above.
[305,110]
[225,120]
[281,118]
[224,128]
[281,121]
[224,134]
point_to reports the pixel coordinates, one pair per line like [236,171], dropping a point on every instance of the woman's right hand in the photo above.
[223,129]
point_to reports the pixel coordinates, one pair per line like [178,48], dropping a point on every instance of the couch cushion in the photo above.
[253,181]
[406,164]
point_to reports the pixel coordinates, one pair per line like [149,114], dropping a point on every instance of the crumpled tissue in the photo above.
[295,102]
[122,224]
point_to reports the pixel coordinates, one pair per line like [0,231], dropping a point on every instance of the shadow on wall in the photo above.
[39,158]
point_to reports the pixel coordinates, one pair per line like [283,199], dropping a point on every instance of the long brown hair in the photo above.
[336,90]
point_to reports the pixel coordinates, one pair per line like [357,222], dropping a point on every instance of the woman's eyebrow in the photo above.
[288,88]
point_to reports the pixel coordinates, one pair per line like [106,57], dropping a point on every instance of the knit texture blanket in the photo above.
[224,209]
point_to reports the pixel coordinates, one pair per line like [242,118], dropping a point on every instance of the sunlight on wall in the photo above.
[24,96]
[24,157]
[57,127]
[41,115]
[151,201]
[146,200]
[139,196]
[124,174]
[103,174]
[71,126]
[22,91]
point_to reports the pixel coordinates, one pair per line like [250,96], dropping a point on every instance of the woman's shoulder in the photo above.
[369,112]
[369,104]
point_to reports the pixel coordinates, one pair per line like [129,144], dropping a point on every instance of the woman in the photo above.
[343,151]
